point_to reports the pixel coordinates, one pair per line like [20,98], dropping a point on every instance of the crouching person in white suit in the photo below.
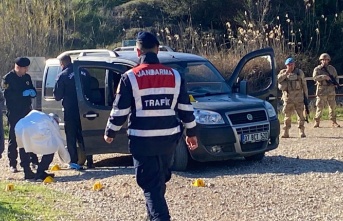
[39,133]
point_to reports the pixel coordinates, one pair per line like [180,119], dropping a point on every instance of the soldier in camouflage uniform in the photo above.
[292,83]
[325,89]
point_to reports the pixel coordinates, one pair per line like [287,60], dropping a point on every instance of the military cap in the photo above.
[147,39]
[324,56]
[22,61]
[289,60]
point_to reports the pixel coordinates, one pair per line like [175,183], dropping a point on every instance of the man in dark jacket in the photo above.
[18,92]
[152,94]
[65,90]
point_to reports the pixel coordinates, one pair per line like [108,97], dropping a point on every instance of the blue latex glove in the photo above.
[27,93]
[33,93]
[75,166]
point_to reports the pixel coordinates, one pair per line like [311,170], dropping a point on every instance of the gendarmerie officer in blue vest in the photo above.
[152,95]
[18,92]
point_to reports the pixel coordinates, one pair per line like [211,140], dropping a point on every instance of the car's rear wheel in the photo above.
[255,157]
[181,157]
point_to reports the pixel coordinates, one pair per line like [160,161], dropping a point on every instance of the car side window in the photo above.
[93,84]
[100,85]
[258,74]
[113,79]
[50,81]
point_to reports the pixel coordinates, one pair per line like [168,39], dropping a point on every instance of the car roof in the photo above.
[133,48]
[75,54]
[163,56]
[124,56]
[128,56]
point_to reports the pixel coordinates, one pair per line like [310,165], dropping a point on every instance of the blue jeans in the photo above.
[152,174]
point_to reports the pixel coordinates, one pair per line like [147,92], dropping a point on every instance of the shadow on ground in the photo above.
[114,166]
[97,173]
[279,165]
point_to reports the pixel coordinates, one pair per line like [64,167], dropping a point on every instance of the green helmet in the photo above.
[324,56]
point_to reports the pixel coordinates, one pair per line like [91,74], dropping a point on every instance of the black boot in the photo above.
[90,163]
[44,175]
[25,164]
[29,174]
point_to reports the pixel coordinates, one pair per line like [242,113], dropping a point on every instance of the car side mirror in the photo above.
[243,87]
[235,86]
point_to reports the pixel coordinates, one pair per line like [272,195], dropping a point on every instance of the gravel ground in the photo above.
[301,180]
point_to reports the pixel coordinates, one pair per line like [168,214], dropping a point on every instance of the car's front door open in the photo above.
[95,106]
[258,70]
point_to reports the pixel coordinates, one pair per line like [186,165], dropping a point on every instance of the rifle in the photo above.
[332,78]
[333,81]
[307,111]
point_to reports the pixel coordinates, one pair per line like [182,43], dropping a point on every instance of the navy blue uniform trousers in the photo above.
[152,174]
[44,165]
[73,131]
[25,158]
[72,128]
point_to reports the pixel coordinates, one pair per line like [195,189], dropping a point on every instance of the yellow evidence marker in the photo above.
[97,186]
[9,187]
[199,183]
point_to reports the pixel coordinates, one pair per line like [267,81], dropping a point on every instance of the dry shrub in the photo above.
[32,28]
[254,32]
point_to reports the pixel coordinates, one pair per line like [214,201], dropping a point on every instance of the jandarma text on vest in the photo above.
[154,72]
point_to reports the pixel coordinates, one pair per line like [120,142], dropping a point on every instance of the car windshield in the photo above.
[202,78]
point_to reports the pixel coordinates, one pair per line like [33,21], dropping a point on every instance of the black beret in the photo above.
[22,61]
[147,39]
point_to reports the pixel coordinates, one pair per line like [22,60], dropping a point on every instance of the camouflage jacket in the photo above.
[324,87]
[293,85]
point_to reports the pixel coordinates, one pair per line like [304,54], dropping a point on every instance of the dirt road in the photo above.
[301,180]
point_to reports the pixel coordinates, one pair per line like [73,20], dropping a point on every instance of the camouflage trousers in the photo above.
[321,102]
[288,110]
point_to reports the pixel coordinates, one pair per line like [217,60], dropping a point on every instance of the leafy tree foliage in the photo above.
[93,21]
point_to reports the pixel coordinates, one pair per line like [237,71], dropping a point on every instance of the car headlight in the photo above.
[208,117]
[270,109]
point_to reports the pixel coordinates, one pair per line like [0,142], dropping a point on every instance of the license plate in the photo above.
[254,137]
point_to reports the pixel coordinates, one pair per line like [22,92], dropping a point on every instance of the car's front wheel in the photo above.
[181,156]
[255,157]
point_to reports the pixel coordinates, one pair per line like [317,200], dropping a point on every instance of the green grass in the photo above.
[31,202]
[339,113]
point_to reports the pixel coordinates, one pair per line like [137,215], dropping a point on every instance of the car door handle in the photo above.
[271,97]
[91,115]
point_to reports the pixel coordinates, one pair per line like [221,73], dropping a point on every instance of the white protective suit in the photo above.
[39,133]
